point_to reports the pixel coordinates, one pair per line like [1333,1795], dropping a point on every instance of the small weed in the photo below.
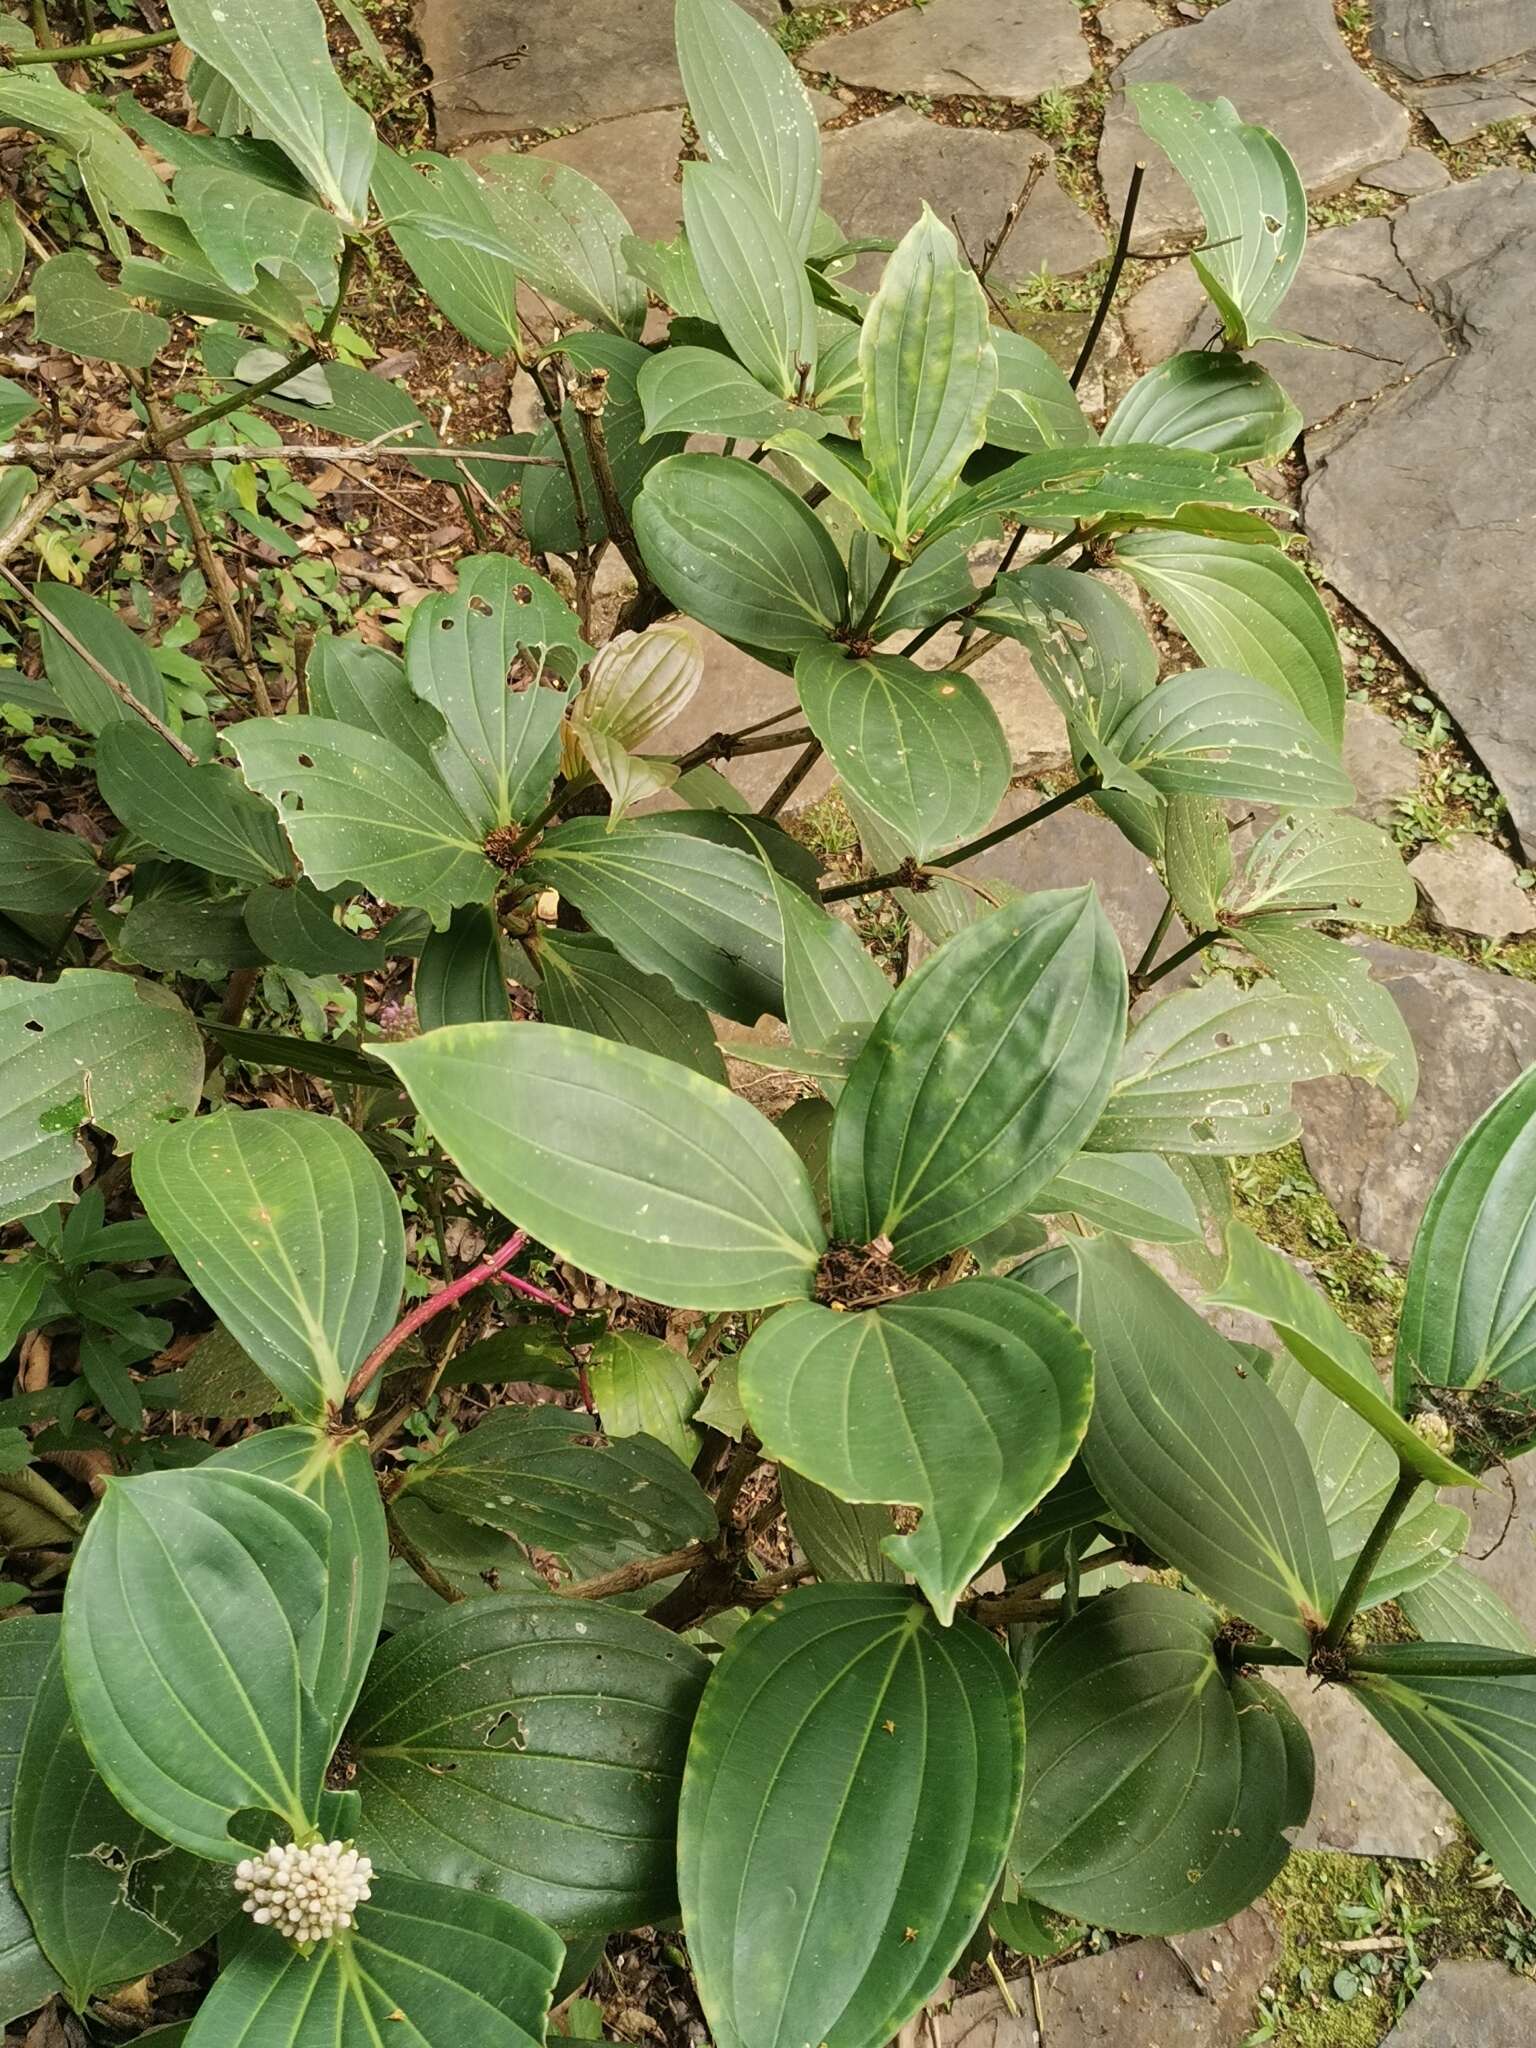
[806,25]
[1277,1196]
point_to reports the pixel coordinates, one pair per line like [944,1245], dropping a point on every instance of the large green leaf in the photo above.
[1316,864]
[187,1647]
[700,391]
[358,809]
[929,374]
[1251,198]
[923,748]
[109,1900]
[204,815]
[296,926]
[1088,647]
[117,647]
[243,227]
[841,1538]
[452,1965]
[1196,1455]
[476,656]
[365,686]
[981,1079]
[1469,1316]
[1196,858]
[753,277]
[642,1387]
[1035,406]
[1246,608]
[1364,1018]
[461,976]
[289,1229]
[1455,1606]
[1134,1194]
[279,65]
[751,111]
[588,984]
[45,874]
[630,1166]
[1218,403]
[968,1403]
[682,895]
[1210,1070]
[737,550]
[1212,732]
[524,1472]
[92,1047]
[1476,1738]
[482,1764]
[563,235]
[1127,483]
[851,1788]
[119,182]
[833,991]
[75,309]
[473,278]
[1157,1786]
[548,502]
[27,1643]
[337,1472]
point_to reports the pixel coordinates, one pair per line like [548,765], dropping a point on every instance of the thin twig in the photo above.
[389,449]
[1112,280]
[792,780]
[906,877]
[641,1571]
[424,1311]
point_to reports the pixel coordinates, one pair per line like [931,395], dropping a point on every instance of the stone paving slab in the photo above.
[1371,1799]
[1459,108]
[1439,38]
[1469,2005]
[634,159]
[1470,886]
[1000,49]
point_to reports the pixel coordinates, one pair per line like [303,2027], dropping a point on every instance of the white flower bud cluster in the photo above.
[305,1894]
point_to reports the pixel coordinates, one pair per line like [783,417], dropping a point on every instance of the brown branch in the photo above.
[913,874]
[796,774]
[641,1571]
[385,449]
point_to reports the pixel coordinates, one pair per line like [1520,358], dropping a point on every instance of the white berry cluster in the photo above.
[304,1893]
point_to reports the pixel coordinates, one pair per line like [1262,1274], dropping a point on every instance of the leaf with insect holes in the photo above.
[1088,647]
[1313,864]
[1368,1024]
[1212,732]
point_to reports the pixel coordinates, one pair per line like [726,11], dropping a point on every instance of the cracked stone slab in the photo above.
[1460,107]
[876,174]
[1469,2005]
[1351,290]
[634,159]
[500,67]
[1416,172]
[1442,38]
[1429,543]
[1470,886]
[1124,23]
[1001,49]
[1475,1032]
[1370,1799]
[1285,67]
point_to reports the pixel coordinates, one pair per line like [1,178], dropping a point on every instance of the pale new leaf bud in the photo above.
[307,1894]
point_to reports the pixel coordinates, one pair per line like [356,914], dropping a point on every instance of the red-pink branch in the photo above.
[445,1297]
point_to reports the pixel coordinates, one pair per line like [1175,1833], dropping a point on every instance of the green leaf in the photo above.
[847,485]
[1310,864]
[753,277]
[833,990]
[854,1773]
[120,651]
[668,269]
[564,236]
[682,895]
[1197,858]
[293,924]
[279,65]
[1251,198]
[461,976]
[699,391]
[1264,1283]
[929,373]
[218,1576]
[337,1472]
[43,873]
[1157,1786]
[738,551]
[1364,1018]
[464,1968]
[1210,1070]
[269,1050]
[16,402]
[1469,1316]
[1034,407]
[176,926]
[473,278]
[1455,1606]
[751,111]
[1249,609]
[522,1471]
[634,1169]
[118,181]
[1212,732]
[589,985]
[27,1643]
[76,310]
[981,1079]
[22,1281]
[13,261]
[1217,403]
[482,1764]
[922,748]
[1476,1739]
[359,810]
[968,1403]
[91,1047]
[1197,1456]
[841,1538]
[204,815]
[242,226]
[365,686]
[109,1900]
[1081,484]
[1133,1194]
[289,1229]
[476,656]
[642,1387]
[1088,647]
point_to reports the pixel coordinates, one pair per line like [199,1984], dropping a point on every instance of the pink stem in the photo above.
[535,1293]
[424,1311]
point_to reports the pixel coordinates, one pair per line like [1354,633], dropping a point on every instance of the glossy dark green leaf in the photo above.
[1246,608]
[1088,484]
[841,1538]
[288,1228]
[358,809]
[187,1645]
[109,1049]
[851,1789]
[1157,1787]
[43,873]
[461,976]
[294,926]
[275,1051]
[588,984]
[1194,1453]
[1212,732]
[482,1763]
[473,279]
[27,1642]
[738,551]
[1469,1316]
[968,1402]
[642,1387]
[563,235]
[1218,403]
[981,1078]
[89,702]
[753,277]
[548,503]
[365,686]
[630,1166]
[923,748]
[1367,1022]
[700,391]
[75,309]
[751,111]
[108,1899]
[205,815]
